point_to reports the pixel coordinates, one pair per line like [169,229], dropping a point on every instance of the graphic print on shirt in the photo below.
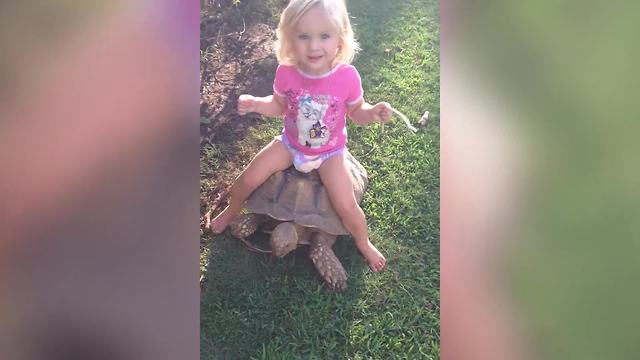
[312,130]
[313,118]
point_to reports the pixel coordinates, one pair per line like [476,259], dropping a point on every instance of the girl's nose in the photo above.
[314,44]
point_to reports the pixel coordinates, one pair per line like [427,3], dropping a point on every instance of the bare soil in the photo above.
[236,57]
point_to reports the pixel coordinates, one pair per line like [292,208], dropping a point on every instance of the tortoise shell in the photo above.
[291,195]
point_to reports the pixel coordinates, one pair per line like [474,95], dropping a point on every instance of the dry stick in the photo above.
[403,117]
[254,248]
[244,28]
[406,119]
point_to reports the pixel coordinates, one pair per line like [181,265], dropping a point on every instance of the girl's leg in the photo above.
[337,180]
[272,158]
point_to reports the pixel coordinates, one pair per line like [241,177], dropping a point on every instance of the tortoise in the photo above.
[299,206]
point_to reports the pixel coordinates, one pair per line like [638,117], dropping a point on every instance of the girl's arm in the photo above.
[363,113]
[272,105]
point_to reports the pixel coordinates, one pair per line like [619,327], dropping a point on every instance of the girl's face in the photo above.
[315,42]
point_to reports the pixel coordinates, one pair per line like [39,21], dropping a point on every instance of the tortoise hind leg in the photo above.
[326,261]
[246,224]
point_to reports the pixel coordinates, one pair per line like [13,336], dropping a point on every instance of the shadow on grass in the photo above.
[253,303]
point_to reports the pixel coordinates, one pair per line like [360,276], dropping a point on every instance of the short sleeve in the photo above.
[354,85]
[280,81]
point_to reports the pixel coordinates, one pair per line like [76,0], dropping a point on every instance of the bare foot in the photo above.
[375,259]
[220,222]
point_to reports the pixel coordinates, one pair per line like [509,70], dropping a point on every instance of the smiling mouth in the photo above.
[314,58]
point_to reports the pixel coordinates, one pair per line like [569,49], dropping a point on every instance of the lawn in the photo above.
[257,307]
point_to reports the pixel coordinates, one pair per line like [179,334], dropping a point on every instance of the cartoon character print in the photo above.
[312,130]
[313,116]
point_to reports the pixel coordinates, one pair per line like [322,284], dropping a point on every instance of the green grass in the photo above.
[255,307]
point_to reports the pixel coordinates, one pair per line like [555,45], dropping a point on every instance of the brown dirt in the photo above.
[236,58]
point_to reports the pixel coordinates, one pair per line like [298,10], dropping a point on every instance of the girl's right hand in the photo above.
[246,104]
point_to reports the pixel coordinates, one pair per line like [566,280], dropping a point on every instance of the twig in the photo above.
[254,248]
[406,120]
[244,28]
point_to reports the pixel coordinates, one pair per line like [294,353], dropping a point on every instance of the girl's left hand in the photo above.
[381,112]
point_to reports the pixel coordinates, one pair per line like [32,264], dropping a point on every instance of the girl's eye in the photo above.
[325,36]
[303,37]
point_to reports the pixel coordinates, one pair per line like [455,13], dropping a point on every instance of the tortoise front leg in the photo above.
[246,224]
[326,262]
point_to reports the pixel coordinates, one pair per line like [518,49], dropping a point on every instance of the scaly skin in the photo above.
[246,224]
[287,236]
[326,262]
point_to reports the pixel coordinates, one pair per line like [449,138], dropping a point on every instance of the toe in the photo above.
[379,266]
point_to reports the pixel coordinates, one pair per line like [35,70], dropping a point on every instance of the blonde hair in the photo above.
[336,11]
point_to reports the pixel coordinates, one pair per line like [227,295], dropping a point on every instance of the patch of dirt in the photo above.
[236,57]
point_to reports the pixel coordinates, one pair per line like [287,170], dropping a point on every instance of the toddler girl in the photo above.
[315,88]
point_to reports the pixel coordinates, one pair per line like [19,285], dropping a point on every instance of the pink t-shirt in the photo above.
[315,120]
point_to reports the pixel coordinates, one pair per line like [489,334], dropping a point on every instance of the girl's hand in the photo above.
[246,104]
[381,112]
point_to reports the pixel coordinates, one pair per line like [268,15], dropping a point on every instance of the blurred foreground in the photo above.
[99,193]
[539,180]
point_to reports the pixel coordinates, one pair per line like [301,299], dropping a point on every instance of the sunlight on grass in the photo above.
[401,66]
